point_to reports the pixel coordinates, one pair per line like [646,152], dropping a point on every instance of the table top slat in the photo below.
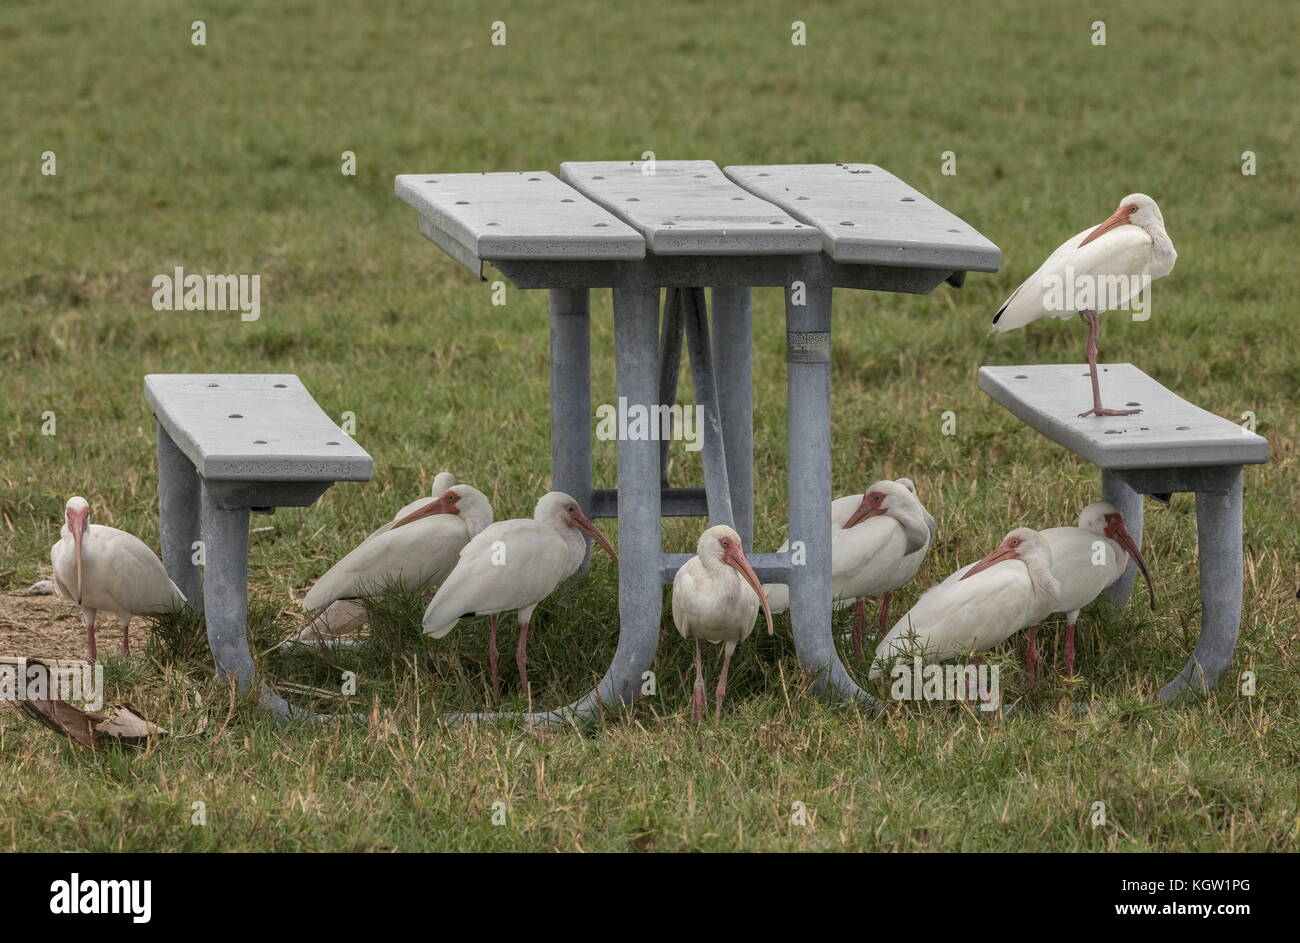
[512,216]
[689,207]
[1169,432]
[867,215]
[254,427]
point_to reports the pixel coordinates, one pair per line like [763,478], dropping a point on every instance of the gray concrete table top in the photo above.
[1169,432]
[867,215]
[689,207]
[254,427]
[527,215]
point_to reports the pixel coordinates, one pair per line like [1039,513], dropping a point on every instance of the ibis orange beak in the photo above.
[581,522]
[1117,532]
[735,557]
[446,504]
[862,512]
[1117,218]
[993,559]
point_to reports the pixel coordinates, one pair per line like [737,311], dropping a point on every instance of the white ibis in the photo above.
[1101,268]
[513,565]
[716,596]
[1085,561]
[442,482]
[418,551]
[98,567]
[878,540]
[1010,589]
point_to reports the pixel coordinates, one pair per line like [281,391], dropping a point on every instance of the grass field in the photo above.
[226,158]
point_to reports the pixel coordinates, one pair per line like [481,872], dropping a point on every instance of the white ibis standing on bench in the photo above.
[98,567]
[878,540]
[716,596]
[1010,589]
[514,565]
[1101,268]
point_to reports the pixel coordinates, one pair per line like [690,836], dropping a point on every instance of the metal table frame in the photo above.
[646,373]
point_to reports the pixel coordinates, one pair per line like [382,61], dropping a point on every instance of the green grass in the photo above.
[226,159]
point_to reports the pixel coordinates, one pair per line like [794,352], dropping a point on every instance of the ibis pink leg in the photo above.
[859,628]
[126,640]
[722,684]
[521,656]
[1069,650]
[492,657]
[1031,654]
[1093,320]
[884,613]
[697,697]
[89,615]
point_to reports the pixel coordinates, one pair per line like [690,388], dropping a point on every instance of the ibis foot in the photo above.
[1103,411]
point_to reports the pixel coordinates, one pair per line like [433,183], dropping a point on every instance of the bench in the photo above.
[229,445]
[1171,446]
[679,227]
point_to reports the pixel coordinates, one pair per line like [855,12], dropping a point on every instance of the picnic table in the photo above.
[682,226]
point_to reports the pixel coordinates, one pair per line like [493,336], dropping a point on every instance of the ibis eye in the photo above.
[1015,543]
[726,543]
[570,509]
[1133,208]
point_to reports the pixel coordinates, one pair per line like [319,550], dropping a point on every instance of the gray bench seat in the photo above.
[1171,446]
[230,444]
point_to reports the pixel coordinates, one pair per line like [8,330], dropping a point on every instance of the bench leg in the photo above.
[225,597]
[670,365]
[717,490]
[1129,503]
[733,368]
[571,397]
[1219,554]
[809,393]
[178,509]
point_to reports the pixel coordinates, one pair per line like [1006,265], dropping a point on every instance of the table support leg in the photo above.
[178,507]
[225,596]
[809,392]
[571,397]
[717,490]
[1219,552]
[670,365]
[733,367]
[1128,502]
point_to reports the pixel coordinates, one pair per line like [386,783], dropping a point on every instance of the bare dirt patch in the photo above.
[51,627]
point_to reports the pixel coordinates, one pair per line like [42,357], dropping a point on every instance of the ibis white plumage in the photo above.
[1010,589]
[1101,268]
[878,540]
[716,597]
[417,551]
[98,567]
[514,565]
[1086,560]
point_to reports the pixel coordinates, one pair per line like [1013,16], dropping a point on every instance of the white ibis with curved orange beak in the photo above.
[878,540]
[716,596]
[1085,561]
[1111,263]
[513,565]
[1010,589]
[98,567]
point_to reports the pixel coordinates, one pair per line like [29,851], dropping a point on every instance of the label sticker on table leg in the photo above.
[808,347]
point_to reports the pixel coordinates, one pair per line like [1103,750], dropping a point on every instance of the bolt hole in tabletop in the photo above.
[679,227]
